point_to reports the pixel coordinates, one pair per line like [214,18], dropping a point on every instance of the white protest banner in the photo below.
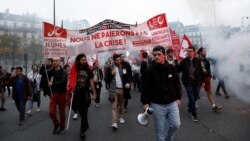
[107,36]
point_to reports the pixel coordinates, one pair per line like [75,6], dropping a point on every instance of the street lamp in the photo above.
[214,11]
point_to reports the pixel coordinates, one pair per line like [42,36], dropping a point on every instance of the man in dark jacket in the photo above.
[21,92]
[126,93]
[45,71]
[192,78]
[162,92]
[58,84]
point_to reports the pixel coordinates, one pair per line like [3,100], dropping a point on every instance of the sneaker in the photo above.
[2,109]
[56,128]
[121,120]
[75,117]
[217,93]
[114,125]
[195,119]
[61,130]
[29,112]
[97,105]
[196,105]
[125,110]
[82,135]
[21,123]
[217,108]
[227,96]
[38,110]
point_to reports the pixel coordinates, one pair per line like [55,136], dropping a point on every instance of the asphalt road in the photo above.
[231,124]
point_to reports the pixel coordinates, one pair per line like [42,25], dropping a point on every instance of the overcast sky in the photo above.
[228,12]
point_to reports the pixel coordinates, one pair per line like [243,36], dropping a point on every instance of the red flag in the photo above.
[185,44]
[68,61]
[72,78]
[176,43]
[54,31]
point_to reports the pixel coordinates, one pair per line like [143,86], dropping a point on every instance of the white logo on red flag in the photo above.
[185,44]
[156,22]
[54,31]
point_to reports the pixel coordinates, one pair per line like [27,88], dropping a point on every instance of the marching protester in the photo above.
[3,76]
[57,83]
[6,81]
[98,77]
[47,67]
[162,92]
[126,91]
[21,92]
[192,79]
[221,82]
[35,79]
[207,77]
[119,75]
[143,67]
[171,58]
[79,80]
[106,70]
[136,74]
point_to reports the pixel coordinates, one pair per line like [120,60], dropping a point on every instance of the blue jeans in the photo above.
[37,99]
[193,94]
[162,113]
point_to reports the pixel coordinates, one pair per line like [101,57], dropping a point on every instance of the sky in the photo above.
[227,12]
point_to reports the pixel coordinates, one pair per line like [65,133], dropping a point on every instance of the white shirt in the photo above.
[31,75]
[118,79]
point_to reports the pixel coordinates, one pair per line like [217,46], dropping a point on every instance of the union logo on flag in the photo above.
[54,31]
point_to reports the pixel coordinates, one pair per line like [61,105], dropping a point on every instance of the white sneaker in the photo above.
[196,105]
[97,105]
[38,110]
[114,125]
[28,112]
[121,120]
[75,117]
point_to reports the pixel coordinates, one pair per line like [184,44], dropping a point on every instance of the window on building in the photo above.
[24,25]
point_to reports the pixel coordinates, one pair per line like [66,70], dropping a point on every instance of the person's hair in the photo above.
[19,68]
[1,67]
[170,50]
[144,55]
[116,56]
[50,59]
[78,58]
[191,47]
[159,48]
[34,65]
[65,66]
[200,50]
[12,68]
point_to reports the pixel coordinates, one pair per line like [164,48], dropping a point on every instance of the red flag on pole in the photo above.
[185,44]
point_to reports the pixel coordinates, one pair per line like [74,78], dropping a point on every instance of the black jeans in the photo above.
[193,94]
[83,102]
[98,86]
[20,105]
[221,84]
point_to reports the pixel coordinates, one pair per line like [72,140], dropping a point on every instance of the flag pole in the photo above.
[54,12]
[70,109]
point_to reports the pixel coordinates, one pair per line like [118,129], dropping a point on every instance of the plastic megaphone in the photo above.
[143,118]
